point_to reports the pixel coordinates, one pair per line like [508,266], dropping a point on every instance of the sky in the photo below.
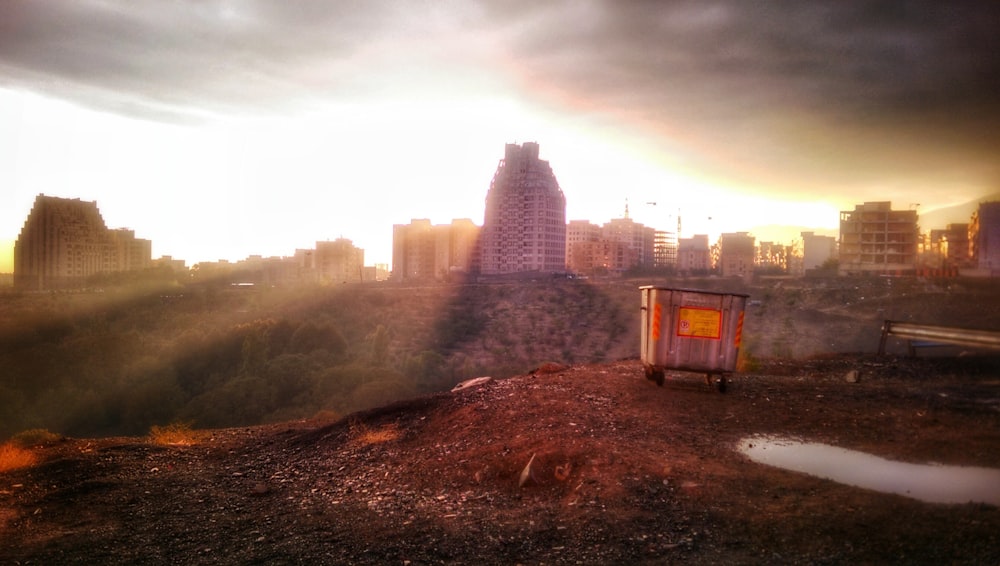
[222,129]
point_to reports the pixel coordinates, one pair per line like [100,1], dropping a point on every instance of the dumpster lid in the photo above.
[684,290]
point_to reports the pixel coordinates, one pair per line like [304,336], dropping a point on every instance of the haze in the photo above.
[219,130]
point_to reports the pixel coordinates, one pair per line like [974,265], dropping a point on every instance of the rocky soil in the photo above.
[621,472]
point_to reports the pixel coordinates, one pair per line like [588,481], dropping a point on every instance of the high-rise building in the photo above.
[582,237]
[339,261]
[524,228]
[421,250]
[874,239]
[638,238]
[65,241]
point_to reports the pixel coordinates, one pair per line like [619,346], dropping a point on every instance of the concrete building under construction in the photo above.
[65,242]
[524,228]
[877,240]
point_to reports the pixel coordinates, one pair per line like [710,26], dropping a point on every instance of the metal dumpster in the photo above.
[689,330]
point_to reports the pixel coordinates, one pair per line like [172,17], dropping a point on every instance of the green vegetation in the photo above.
[35,437]
[127,359]
[122,362]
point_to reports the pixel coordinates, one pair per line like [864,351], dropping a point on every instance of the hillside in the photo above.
[120,361]
[622,472]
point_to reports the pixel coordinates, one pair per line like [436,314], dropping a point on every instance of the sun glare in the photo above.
[228,187]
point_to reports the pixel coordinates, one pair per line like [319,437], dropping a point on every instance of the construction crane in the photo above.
[653,203]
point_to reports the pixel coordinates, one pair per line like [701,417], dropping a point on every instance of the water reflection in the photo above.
[926,482]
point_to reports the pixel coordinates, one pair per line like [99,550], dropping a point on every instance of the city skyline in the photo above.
[220,132]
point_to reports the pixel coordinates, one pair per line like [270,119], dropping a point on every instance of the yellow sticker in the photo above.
[699,322]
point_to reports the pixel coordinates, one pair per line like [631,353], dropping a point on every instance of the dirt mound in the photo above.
[620,471]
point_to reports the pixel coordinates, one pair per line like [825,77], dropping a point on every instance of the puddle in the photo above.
[927,482]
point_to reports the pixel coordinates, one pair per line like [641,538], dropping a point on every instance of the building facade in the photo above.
[339,261]
[817,250]
[736,254]
[582,237]
[875,239]
[524,227]
[65,241]
[984,238]
[946,249]
[693,255]
[639,239]
[664,249]
[421,250]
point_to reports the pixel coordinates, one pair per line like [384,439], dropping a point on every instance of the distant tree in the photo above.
[427,370]
[254,353]
[310,336]
[379,342]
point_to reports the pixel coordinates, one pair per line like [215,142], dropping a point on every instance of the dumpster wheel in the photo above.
[654,374]
[720,382]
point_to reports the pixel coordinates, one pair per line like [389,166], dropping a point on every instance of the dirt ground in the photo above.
[622,472]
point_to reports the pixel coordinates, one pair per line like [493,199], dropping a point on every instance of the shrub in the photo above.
[13,457]
[174,434]
[34,437]
[365,435]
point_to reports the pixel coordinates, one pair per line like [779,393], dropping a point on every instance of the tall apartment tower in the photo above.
[65,241]
[524,229]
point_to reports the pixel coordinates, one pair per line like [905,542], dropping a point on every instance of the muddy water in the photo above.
[927,482]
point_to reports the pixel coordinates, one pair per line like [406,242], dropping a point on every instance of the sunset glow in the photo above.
[218,149]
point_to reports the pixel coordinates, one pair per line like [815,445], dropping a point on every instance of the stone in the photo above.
[470,383]
[527,474]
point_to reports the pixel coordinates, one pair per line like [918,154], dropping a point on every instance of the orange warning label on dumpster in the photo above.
[699,322]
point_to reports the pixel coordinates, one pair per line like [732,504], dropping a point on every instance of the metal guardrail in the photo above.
[925,334]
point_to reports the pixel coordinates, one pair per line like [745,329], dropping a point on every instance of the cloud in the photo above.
[793,95]
[803,87]
[189,57]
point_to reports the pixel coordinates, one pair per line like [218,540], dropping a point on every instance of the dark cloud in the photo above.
[187,57]
[782,88]
[735,84]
